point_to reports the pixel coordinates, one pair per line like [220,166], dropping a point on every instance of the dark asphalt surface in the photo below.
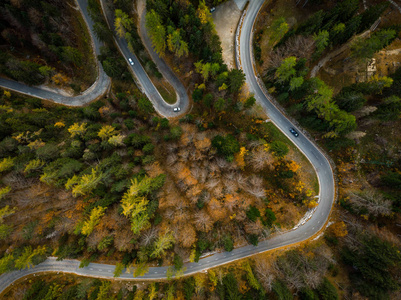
[97,90]
[303,232]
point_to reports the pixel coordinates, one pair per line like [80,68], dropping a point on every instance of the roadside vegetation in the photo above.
[354,119]
[46,42]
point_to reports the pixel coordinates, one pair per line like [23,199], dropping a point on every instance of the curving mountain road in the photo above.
[301,233]
[97,90]
[309,149]
[162,107]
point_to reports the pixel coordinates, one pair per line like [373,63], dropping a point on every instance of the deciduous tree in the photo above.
[93,220]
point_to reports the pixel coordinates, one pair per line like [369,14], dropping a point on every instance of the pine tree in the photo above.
[93,220]
[157,31]
[164,242]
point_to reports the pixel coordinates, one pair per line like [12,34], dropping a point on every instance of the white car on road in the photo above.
[130,61]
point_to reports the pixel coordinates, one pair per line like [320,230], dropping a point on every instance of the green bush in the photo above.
[253,213]
[228,243]
[279,149]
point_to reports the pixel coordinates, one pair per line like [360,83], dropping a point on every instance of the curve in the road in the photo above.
[309,149]
[147,86]
[303,232]
[96,91]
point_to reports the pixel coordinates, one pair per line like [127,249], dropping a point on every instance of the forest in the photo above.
[46,42]
[114,182]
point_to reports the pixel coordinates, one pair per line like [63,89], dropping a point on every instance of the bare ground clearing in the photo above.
[226,17]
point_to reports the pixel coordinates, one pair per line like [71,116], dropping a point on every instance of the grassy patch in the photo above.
[86,74]
[166,91]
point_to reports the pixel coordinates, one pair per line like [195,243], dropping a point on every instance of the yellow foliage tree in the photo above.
[6,164]
[60,79]
[34,165]
[293,166]
[36,144]
[7,94]
[84,184]
[93,220]
[213,279]
[4,192]
[6,108]
[239,157]
[164,242]
[59,124]
[253,282]
[339,229]
[116,140]
[77,129]
[5,212]
[152,293]
[25,259]
[106,132]
[203,13]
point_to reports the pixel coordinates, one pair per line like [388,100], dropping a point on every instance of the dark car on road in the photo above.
[294,132]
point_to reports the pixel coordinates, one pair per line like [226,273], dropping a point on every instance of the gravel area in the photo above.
[226,17]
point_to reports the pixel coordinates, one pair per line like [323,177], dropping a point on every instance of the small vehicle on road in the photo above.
[294,132]
[130,61]
[177,109]
[212,9]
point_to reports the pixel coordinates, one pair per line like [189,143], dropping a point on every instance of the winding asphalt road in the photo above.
[146,85]
[298,234]
[96,91]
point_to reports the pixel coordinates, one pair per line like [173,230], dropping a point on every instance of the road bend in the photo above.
[94,92]
[143,80]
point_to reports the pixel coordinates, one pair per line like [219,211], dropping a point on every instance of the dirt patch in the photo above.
[226,17]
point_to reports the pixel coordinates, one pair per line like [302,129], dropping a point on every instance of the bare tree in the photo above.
[198,155]
[148,236]
[254,144]
[217,192]
[256,181]
[256,189]
[183,154]
[171,159]
[254,227]
[172,147]
[258,192]
[229,186]
[212,183]
[214,168]
[241,181]
[196,171]
[123,238]
[289,267]
[260,158]
[265,273]
[298,46]
[203,175]
[169,214]
[222,163]
[203,221]
[372,201]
